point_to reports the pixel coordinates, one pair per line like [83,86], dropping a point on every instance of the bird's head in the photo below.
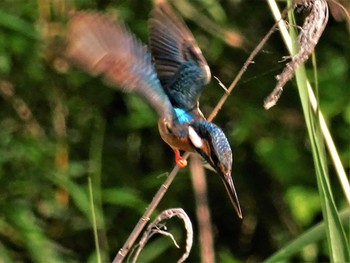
[211,143]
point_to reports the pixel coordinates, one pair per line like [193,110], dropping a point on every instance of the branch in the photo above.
[325,131]
[156,228]
[143,220]
[240,73]
[205,228]
[309,35]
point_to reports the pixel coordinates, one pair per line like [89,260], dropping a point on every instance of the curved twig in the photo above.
[156,228]
[143,220]
[309,35]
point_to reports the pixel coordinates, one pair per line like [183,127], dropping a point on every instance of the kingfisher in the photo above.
[170,77]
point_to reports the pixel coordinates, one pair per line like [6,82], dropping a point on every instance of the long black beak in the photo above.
[230,188]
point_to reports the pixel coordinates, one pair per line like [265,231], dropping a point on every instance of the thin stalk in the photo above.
[324,129]
[205,228]
[94,223]
[95,169]
[146,216]
[337,242]
[241,72]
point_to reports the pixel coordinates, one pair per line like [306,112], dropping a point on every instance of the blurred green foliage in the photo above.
[58,126]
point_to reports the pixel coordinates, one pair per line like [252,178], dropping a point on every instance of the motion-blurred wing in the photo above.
[181,67]
[104,47]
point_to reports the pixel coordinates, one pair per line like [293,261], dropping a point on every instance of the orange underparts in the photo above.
[178,159]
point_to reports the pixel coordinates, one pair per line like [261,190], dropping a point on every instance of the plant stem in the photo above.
[146,216]
[94,223]
[325,131]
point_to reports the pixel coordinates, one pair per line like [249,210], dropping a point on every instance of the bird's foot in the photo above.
[179,160]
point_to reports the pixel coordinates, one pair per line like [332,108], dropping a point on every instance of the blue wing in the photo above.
[181,67]
[104,47]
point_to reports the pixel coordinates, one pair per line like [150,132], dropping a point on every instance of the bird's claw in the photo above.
[181,163]
[179,160]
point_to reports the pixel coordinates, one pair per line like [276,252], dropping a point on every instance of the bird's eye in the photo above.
[168,128]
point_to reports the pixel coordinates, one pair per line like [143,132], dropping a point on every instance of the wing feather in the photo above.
[181,67]
[102,46]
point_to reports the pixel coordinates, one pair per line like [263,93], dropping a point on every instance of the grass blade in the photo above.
[315,234]
[337,242]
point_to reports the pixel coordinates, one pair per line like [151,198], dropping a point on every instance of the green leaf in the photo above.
[313,235]
[18,25]
[32,235]
[338,245]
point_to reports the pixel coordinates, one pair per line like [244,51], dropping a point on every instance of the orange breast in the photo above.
[173,141]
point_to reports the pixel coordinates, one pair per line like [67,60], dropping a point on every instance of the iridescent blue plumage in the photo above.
[172,85]
[219,156]
[183,116]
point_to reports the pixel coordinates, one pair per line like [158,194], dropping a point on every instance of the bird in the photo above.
[170,76]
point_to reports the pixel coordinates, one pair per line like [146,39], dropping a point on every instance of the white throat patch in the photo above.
[194,137]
